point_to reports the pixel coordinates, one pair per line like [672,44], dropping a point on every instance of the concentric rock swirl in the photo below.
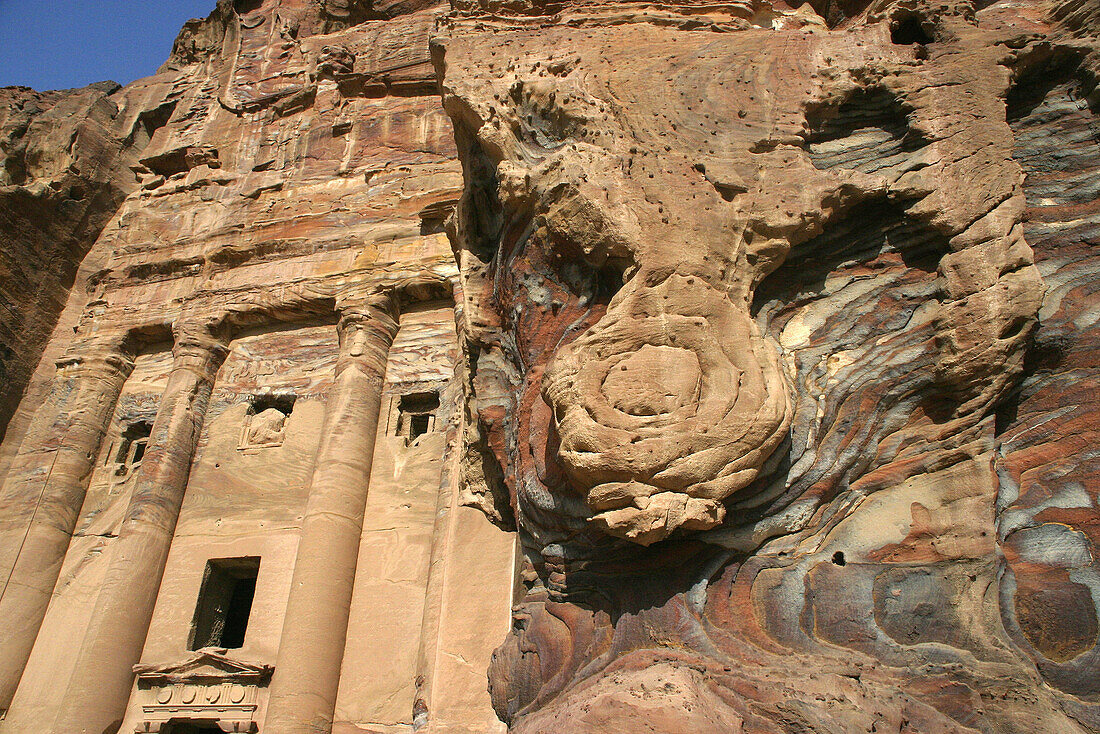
[667,406]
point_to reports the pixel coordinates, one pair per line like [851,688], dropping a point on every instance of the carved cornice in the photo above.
[204,322]
[203,666]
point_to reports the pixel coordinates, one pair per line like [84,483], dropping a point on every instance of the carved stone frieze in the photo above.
[205,687]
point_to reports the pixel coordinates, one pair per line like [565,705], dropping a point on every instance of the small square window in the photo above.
[416,415]
[419,424]
[138,452]
[225,603]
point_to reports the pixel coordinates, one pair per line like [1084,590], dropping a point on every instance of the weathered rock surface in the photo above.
[814,281]
[766,334]
[251,403]
[65,155]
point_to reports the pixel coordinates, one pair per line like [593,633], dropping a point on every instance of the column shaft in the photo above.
[307,670]
[103,676]
[44,492]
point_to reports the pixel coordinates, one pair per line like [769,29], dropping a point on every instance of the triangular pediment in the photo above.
[205,664]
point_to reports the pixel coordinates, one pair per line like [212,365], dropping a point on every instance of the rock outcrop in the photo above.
[65,171]
[779,323]
[250,403]
[726,367]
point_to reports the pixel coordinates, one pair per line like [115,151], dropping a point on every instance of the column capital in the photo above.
[380,310]
[380,303]
[197,342]
[367,325]
[103,352]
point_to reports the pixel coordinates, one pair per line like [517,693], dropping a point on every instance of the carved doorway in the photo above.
[190,727]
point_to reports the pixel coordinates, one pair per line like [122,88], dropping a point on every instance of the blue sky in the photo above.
[57,44]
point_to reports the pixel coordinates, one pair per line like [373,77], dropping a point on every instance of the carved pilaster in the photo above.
[307,673]
[103,674]
[45,487]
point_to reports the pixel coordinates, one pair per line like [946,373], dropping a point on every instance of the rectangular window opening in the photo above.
[225,602]
[419,425]
[139,451]
[416,415]
[135,439]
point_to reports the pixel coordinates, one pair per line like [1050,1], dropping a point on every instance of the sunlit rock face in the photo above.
[779,331]
[226,501]
[725,367]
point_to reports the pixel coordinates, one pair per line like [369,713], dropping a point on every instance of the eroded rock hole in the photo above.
[609,281]
[838,559]
[479,213]
[868,132]
[433,218]
[910,30]
[149,121]
[1057,143]
[874,240]
[182,159]
[244,7]
[836,12]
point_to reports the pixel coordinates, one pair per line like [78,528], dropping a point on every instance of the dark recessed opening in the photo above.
[283,403]
[418,425]
[225,602]
[432,225]
[609,281]
[416,415]
[131,450]
[150,121]
[1013,328]
[908,31]
[838,558]
[189,727]
[244,7]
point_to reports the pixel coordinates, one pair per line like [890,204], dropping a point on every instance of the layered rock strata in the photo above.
[252,419]
[781,325]
[762,331]
[66,157]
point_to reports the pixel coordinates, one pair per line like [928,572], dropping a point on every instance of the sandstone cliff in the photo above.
[766,331]
[783,330]
[65,157]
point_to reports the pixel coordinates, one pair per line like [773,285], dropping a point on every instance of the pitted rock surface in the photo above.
[747,350]
[854,219]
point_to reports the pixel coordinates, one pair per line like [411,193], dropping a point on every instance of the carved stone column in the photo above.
[307,670]
[45,488]
[103,676]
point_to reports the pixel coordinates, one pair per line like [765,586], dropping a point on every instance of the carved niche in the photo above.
[265,422]
[132,442]
[206,687]
[411,415]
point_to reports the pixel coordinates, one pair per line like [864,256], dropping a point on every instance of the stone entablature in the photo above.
[207,686]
